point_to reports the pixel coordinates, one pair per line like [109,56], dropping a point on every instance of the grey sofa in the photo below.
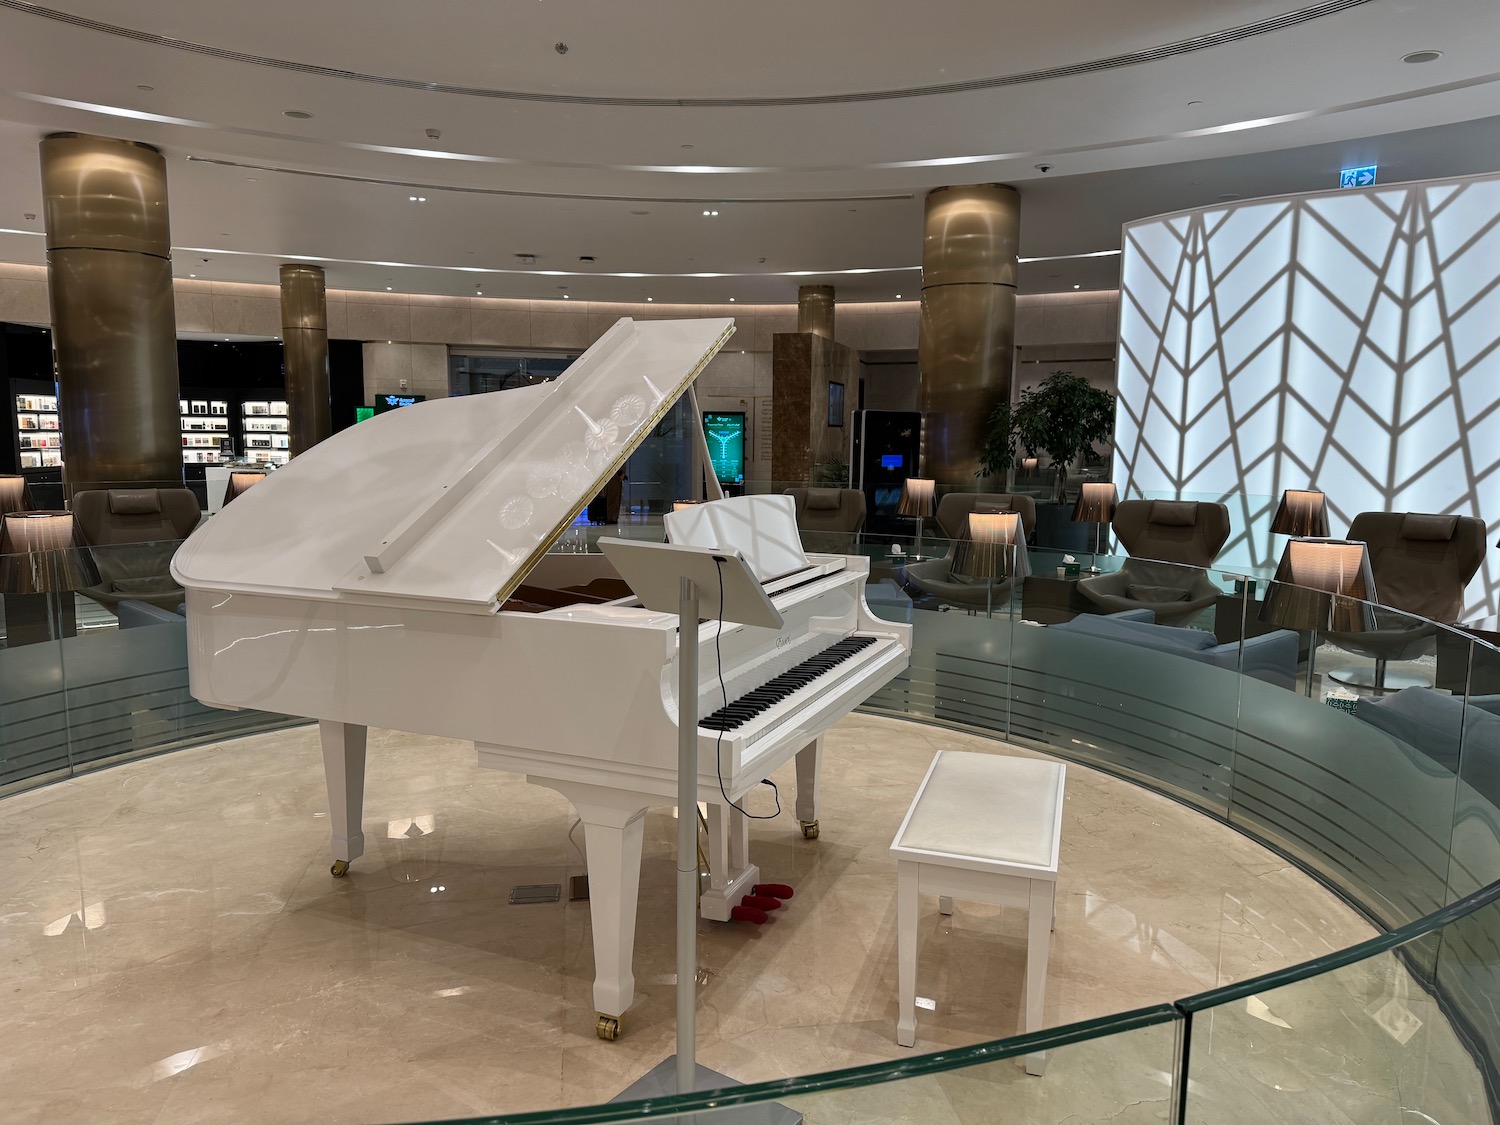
[1271,657]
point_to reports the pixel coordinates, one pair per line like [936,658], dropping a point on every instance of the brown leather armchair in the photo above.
[134,532]
[829,519]
[1170,542]
[1421,563]
[954,508]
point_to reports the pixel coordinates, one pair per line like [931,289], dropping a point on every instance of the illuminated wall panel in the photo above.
[1348,340]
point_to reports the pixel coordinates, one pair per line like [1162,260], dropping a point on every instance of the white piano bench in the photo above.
[984,828]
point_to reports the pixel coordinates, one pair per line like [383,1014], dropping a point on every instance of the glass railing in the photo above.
[94,665]
[1192,689]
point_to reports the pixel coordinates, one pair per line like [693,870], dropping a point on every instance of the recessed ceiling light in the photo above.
[148,89]
[416,199]
[1195,103]
[1078,287]
[192,275]
[252,179]
[567,296]
[687,146]
[731,298]
[296,114]
[650,298]
[387,288]
[711,214]
[1227,196]
[1422,57]
[640,212]
[898,296]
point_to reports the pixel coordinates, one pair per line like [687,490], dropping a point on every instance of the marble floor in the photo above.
[175,951]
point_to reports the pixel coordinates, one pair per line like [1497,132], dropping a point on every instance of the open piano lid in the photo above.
[449,503]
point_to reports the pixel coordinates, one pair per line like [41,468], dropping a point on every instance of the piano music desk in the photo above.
[986,828]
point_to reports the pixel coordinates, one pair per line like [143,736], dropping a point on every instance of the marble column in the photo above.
[966,345]
[304,334]
[114,328]
[815,310]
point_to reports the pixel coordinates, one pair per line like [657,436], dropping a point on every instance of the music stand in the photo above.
[667,577]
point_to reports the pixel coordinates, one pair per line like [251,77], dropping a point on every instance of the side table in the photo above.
[1453,650]
[1048,599]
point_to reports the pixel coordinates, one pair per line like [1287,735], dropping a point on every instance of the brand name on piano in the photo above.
[782,642]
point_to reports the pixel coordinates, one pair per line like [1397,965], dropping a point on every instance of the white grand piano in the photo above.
[397,575]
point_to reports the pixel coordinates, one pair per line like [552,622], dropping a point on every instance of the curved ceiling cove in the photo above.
[1155,53]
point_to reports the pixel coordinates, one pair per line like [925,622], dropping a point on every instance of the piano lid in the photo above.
[449,503]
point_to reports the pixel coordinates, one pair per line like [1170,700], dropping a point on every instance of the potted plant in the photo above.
[1063,418]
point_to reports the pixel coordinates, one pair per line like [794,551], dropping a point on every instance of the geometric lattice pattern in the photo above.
[1349,341]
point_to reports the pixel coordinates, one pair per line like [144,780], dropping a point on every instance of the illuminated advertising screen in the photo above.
[725,431]
[395,402]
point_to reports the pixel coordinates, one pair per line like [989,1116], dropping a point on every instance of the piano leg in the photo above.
[612,834]
[809,761]
[344,771]
[731,875]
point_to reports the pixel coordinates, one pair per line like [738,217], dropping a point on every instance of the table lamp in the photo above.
[1321,585]
[918,500]
[241,482]
[1096,505]
[39,557]
[1302,512]
[678,505]
[1029,466]
[13,494]
[995,548]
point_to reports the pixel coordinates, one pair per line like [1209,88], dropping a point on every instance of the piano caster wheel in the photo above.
[339,869]
[809,829]
[608,1027]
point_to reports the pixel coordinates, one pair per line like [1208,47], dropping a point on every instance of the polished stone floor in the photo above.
[175,951]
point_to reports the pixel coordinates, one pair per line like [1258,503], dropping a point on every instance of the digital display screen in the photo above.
[392,402]
[891,461]
[725,431]
[363,413]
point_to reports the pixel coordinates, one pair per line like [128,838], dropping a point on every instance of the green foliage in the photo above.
[1063,418]
[998,451]
[833,471]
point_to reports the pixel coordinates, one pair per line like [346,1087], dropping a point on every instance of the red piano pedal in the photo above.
[761,902]
[749,914]
[775,890]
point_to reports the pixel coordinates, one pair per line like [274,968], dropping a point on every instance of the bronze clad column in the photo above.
[114,329]
[815,310]
[304,332]
[966,346]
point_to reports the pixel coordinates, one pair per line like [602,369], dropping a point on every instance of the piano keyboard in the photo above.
[738,712]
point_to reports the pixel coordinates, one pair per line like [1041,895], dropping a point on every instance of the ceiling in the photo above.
[812,129]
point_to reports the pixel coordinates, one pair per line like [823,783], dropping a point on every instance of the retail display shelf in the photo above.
[38,438]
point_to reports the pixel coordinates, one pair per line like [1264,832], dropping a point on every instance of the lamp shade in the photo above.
[1029,465]
[678,505]
[1303,512]
[918,497]
[995,547]
[1096,503]
[13,495]
[38,555]
[1322,584]
[241,482]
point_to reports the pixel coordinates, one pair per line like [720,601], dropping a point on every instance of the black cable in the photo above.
[724,693]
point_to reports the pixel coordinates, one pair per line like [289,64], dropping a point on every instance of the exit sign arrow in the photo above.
[1358,177]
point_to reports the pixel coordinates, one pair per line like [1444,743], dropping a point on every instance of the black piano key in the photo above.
[739,711]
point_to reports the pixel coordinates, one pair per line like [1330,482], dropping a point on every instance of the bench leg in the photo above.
[1038,944]
[906,954]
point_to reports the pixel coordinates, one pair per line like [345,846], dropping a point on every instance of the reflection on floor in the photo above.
[177,952]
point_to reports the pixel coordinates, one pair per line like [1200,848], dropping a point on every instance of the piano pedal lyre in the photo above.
[339,869]
[809,829]
[608,1027]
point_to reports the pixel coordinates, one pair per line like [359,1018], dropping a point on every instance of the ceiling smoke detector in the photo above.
[560,48]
